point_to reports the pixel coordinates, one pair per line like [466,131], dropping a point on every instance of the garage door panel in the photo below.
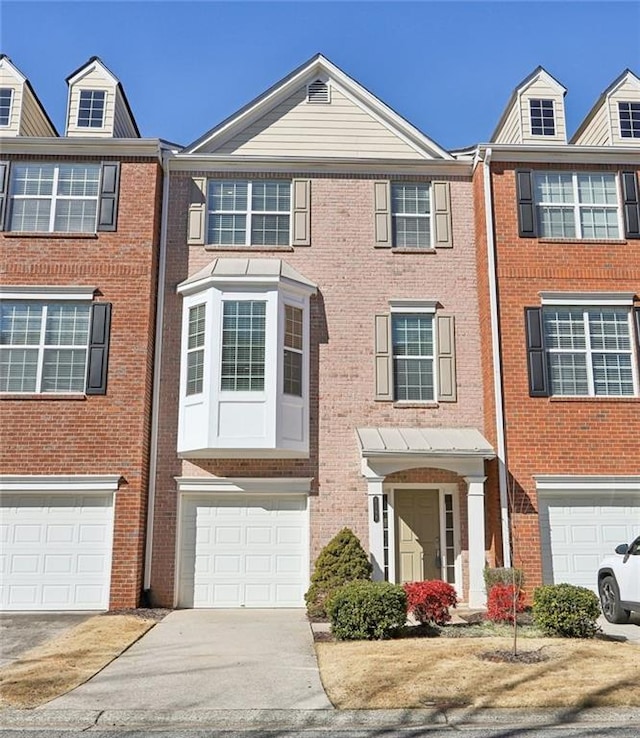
[250,553]
[56,552]
[576,534]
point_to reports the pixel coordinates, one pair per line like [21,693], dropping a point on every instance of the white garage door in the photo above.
[55,551]
[244,551]
[578,530]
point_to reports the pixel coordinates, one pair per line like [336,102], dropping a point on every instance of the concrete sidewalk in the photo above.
[210,660]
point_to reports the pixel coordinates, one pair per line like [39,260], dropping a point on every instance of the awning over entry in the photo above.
[424,441]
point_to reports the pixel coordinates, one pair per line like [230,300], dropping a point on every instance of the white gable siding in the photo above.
[95,79]
[598,132]
[123,127]
[32,120]
[628,91]
[540,89]
[297,128]
[510,133]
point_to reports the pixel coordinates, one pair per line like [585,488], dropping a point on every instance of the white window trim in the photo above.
[413,307]
[11,101]
[249,213]
[576,206]
[104,110]
[242,485]
[54,197]
[588,351]
[555,122]
[587,298]
[549,484]
[51,484]
[429,215]
[47,293]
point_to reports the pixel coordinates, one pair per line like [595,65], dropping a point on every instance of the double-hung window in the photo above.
[249,213]
[91,108]
[195,349]
[54,197]
[293,350]
[542,120]
[589,350]
[43,346]
[413,356]
[6,96]
[629,113]
[577,205]
[411,215]
[243,345]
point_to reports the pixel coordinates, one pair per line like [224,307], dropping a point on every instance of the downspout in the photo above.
[157,363]
[497,362]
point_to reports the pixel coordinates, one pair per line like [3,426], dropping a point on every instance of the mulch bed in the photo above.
[521,657]
[144,613]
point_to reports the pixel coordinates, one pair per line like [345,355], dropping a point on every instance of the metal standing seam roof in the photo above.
[248,267]
[427,441]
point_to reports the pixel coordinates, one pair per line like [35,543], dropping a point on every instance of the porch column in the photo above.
[475,524]
[376,531]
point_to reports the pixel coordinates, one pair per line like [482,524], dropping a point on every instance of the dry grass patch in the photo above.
[428,672]
[70,659]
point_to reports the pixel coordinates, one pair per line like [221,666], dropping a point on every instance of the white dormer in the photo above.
[615,118]
[534,113]
[97,104]
[21,113]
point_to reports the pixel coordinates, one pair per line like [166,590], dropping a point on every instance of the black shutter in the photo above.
[536,358]
[98,349]
[631,205]
[526,206]
[108,205]
[4,190]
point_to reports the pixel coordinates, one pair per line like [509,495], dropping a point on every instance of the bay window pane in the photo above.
[243,345]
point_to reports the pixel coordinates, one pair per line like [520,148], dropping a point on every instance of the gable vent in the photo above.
[318,92]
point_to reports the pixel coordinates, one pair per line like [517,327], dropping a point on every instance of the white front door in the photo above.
[55,551]
[244,551]
[577,531]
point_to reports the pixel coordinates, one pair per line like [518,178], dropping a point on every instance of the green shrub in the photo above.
[342,560]
[503,575]
[367,610]
[566,610]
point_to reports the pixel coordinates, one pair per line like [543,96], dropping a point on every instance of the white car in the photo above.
[619,582]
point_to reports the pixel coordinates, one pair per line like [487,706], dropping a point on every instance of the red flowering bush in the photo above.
[429,601]
[500,603]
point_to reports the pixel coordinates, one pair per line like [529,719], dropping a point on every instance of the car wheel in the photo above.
[610,601]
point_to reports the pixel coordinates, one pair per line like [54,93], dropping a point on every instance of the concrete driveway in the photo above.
[211,659]
[21,631]
[630,631]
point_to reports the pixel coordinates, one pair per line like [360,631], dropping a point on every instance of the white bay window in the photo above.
[245,361]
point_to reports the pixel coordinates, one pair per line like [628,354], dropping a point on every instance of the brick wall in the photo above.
[555,435]
[97,434]
[355,282]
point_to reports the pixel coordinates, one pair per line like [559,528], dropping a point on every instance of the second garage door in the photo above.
[244,551]
[578,530]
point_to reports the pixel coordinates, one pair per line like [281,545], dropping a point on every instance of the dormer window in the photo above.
[91,109]
[318,92]
[6,95]
[629,119]
[542,120]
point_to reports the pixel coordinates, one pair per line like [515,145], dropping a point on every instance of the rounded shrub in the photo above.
[429,601]
[341,561]
[566,610]
[367,610]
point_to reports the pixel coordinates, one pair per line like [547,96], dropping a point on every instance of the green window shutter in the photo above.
[4,191]
[441,204]
[526,205]
[384,358]
[98,358]
[382,213]
[536,356]
[631,205]
[447,389]
[301,196]
[109,187]
[197,211]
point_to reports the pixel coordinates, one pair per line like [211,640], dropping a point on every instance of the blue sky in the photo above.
[448,67]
